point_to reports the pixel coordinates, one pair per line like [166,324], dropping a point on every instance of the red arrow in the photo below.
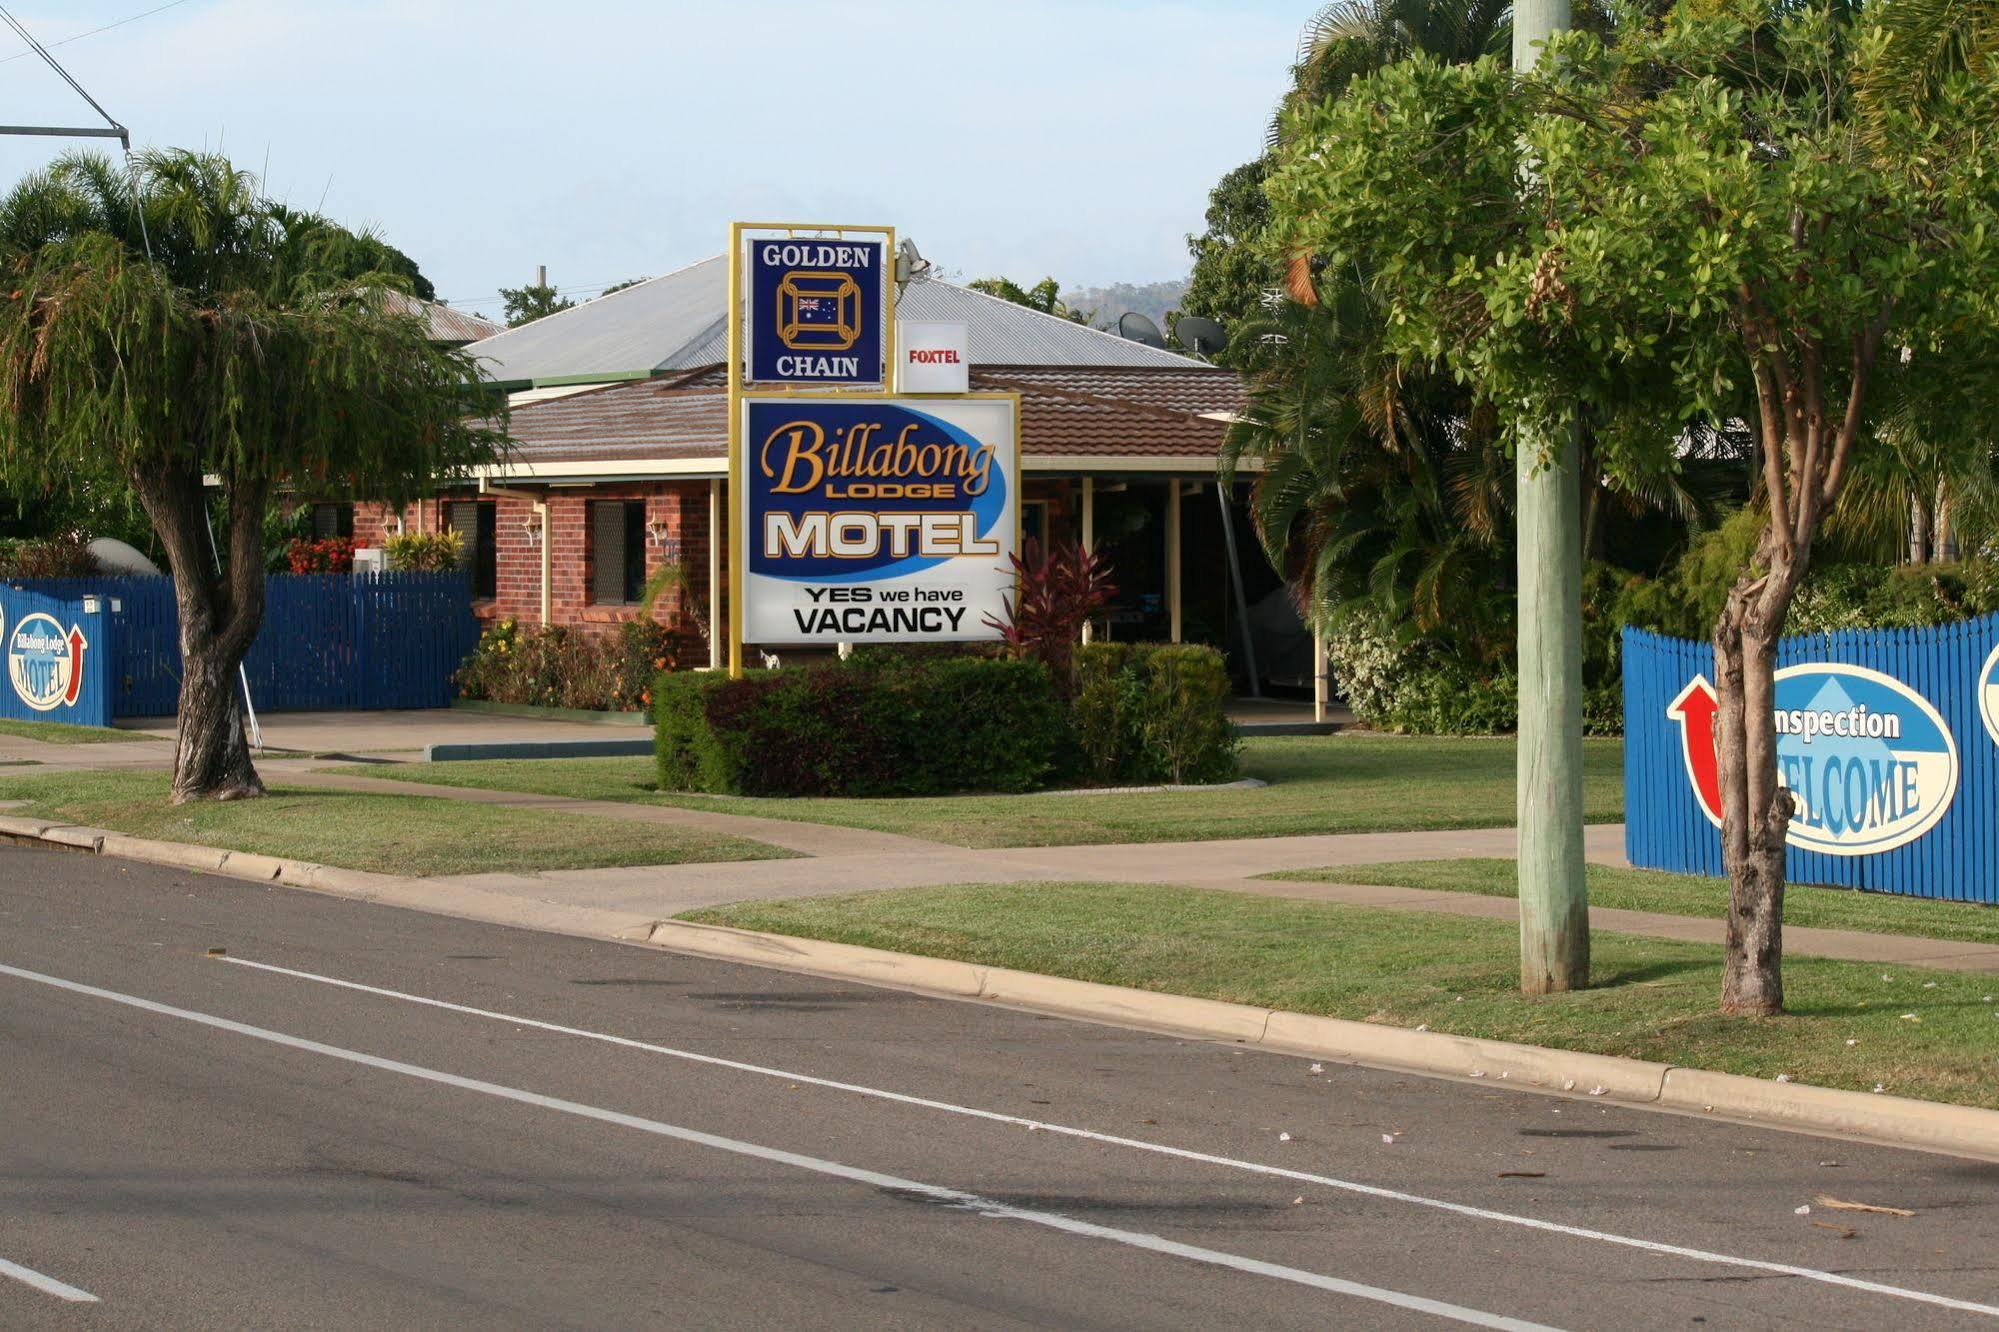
[1695,711]
[76,647]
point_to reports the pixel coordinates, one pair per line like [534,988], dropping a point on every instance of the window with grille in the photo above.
[477,524]
[332,520]
[617,551]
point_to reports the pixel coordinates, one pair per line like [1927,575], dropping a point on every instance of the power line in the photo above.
[171,4]
[560,291]
[49,60]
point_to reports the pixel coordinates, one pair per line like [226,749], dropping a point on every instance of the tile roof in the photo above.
[1098,414]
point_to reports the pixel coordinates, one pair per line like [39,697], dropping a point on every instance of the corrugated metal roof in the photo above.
[1002,333]
[629,332]
[446,324]
[677,322]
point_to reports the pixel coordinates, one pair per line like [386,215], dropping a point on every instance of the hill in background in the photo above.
[1151,299]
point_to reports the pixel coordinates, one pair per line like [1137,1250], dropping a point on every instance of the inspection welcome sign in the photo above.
[878,519]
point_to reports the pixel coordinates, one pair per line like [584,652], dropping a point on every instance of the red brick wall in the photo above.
[677,509]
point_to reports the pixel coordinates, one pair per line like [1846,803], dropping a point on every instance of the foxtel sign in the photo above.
[1870,764]
[876,519]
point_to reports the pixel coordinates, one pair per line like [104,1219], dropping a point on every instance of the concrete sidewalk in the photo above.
[844,860]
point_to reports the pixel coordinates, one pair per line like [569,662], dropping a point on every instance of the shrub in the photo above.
[1055,594]
[1420,686]
[331,555]
[424,552]
[66,556]
[1445,697]
[559,667]
[1150,712]
[1368,663]
[882,727]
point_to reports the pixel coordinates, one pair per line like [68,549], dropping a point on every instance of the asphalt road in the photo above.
[198,1142]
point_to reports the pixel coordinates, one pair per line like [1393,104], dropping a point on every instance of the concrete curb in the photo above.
[1892,1121]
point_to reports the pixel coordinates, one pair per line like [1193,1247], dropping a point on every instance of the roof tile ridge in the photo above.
[1099,400]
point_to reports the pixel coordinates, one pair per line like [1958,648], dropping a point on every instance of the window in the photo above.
[617,551]
[332,520]
[1034,523]
[477,525]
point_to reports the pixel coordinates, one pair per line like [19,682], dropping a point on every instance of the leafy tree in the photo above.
[1234,265]
[244,352]
[527,304]
[1710,225]
[620,286]
[1233,268]
[357,254]
[1045,296]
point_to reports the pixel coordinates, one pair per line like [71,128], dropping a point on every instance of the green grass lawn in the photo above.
[1687,895]
[1655,999]
[1317,784]
[386,833]
[62,733]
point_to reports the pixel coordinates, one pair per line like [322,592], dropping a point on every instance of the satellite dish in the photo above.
[1135,327]
[1203,337]
[116,557]
[910,266]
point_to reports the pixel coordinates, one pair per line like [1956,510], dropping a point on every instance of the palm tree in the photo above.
[174,332]
[1930,41]
[1348,39]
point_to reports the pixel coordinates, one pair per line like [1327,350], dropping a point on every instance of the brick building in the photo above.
[620,460]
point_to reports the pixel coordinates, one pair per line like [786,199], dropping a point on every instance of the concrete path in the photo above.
[401,732]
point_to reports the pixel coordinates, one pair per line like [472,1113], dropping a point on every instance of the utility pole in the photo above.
[1554,899]
[541,275]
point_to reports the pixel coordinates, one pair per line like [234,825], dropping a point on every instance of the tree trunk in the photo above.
[1756,810]
[1943,537]
[220,612]
[212,759]
[1919,531]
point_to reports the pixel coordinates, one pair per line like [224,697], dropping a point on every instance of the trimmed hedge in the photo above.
[879,727]
[1153,712]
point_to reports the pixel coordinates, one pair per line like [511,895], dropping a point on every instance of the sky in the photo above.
[610,139]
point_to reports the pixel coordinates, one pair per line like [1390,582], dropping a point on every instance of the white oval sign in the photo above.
[1988,694]
[1870,763]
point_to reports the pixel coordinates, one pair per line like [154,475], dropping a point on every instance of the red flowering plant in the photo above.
[332,555]
[1056,593]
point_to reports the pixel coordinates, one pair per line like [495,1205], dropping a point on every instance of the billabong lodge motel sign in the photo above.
[859,514]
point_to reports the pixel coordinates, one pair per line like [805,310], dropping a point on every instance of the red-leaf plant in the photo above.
[1056,593]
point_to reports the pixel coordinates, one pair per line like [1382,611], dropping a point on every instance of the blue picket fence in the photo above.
[328,641]
[1889,739]
[56,655]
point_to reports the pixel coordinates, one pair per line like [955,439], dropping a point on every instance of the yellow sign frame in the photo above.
[738,538]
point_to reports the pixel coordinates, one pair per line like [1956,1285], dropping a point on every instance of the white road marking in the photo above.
[1163,1149]
[957,1199]
[48,1285]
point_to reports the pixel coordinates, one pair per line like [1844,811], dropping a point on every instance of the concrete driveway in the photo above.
[368,733]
